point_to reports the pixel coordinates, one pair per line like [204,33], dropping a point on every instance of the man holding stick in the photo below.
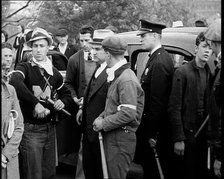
[34,82]
[122,114]
[188,109]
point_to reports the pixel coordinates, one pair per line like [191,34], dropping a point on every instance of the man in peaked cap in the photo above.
[34,82]
[93,106]
[123,109]
[213,34]
[156,82]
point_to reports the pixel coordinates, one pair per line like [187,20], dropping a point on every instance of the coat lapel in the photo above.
[99,81]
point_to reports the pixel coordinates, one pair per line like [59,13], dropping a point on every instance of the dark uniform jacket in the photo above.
[156,82]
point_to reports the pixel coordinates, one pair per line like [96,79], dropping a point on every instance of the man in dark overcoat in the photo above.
[93,106]
[156,82]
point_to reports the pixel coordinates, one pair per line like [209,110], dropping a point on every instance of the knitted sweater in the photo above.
[32,88]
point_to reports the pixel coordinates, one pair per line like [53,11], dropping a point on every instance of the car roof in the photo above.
[180,37]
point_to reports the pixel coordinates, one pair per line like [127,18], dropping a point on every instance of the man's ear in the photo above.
[196,49]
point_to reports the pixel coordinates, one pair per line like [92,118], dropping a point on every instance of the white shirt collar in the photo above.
[87,53]
[100,69]
[63,48]
[110,71]
[46,65]
[156,48]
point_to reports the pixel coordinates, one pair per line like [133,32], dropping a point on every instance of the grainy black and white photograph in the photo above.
[111,89]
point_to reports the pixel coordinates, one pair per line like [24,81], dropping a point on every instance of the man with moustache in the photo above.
[93,105]
[188,108]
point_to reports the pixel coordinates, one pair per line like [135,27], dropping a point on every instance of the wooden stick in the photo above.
[103,158]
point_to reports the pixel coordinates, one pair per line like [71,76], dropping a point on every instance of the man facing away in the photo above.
[93,106]
[188,108]
[123,110]
[34,82]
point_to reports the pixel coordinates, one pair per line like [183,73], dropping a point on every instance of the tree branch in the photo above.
[27,4]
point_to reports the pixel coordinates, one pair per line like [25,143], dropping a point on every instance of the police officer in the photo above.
[156,82]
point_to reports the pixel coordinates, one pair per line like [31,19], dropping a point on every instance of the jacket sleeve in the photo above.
[71,73]
[63,92]
[17,80]
[11,148]
[127,95]
[175,106]
[159,93]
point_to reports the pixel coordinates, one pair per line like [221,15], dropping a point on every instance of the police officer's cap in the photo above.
[213,32]
[115,45]
[149,27]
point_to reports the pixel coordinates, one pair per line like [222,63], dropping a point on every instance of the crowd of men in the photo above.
[173,113]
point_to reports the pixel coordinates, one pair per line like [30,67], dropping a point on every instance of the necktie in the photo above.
[89,56]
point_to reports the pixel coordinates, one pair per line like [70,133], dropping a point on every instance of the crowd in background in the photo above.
[175,112]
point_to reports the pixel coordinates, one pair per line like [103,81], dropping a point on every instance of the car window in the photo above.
[139,59]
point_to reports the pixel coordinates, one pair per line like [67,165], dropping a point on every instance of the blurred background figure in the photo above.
[11,120]
[4,36]
[18,43]
[63,46]
[7,59]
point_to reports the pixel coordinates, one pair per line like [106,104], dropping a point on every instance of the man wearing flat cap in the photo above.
[34,82]
[67,49]
[213,35]
[123,110]
[93,105]
[156,80]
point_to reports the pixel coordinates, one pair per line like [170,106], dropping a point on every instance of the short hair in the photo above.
[86,29]
[200,38]
[7,45]
[5,34]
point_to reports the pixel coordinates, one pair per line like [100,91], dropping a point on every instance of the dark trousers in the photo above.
[144,156]
[91,157]
[37,151]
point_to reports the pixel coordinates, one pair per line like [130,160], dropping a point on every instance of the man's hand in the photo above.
[40,111]
[217,168]
[79,117]
[58,105]
[4,161]
[152,142]
[79,101]
[98,124]
[179,148]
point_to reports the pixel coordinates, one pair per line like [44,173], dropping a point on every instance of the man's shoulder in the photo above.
[76,56]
